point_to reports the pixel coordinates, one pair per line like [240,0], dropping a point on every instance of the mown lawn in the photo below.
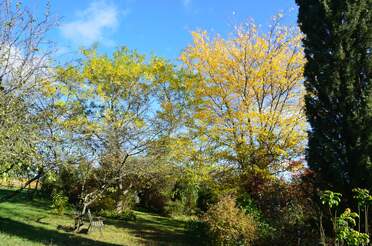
[26,222]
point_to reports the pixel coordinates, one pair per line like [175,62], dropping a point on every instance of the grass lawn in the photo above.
[25,222]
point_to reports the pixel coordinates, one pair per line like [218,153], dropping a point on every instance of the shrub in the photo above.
[343,225]
[246,203]
[126,215]
[59,202]
[288,213]
[345,232]
[175,208]
[152,200]
[229,225]
[183,199]
[106,203]
[206,197]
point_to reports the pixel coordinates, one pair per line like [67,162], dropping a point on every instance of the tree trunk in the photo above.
[119,198]
[34,190]
[366,220]
[321,231]
[119,201]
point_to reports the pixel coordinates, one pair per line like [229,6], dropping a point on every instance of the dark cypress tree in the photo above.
[338,49]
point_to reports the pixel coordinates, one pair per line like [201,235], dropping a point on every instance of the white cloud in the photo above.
[20,72]
[92,24]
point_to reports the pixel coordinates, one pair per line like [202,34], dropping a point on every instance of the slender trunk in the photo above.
[79,218]
[86,203]
[321,230]
[360,218]
[119,198]
[366,219]
[334,224]
[119,204]
[90,198]
[84,209]
[35,190]
[37,185]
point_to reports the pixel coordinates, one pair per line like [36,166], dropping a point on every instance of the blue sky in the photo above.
[160,27]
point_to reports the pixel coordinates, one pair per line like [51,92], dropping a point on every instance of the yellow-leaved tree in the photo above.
[248,96]
[109,110]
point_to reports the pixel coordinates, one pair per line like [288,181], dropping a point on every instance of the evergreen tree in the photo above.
[338,47]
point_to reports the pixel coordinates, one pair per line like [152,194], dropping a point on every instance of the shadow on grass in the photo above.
[159,230]
[156,229]
[23,197]
[44,236]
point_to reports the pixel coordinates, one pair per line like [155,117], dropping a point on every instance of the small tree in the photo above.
[24,62]
[332,200]
[364,199]
[247,97]
[59,202]
[108,114]
[342,226]
[345,232]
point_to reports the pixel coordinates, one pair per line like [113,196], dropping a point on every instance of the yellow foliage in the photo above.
[250,93]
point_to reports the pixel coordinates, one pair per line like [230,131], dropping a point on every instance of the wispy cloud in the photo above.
[93,23]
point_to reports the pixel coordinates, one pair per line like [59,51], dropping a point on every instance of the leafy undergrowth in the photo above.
[26,222]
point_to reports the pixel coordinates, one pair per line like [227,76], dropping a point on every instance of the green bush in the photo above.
[175,208]
[183,199]
[343,230]
[229,225]
[206,197]
[152,200]
[106,203]
[126,215]
[246,203]
[59,202]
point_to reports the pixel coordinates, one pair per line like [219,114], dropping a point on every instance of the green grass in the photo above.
[26,222]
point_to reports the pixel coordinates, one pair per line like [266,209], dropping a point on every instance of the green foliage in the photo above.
[175,208]
[20,82]
[364,200]
[337,42]
[330,198]
[108,115]
[153,200]
[343,225]
[106,203]
[183,198]
[19,135]
[362,196]
[59,202]
[229,225]
[111,124]
[246,203]
[345,232]
[126,215]
[206,197]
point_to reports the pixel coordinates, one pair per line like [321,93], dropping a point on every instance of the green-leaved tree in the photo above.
[338,47]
